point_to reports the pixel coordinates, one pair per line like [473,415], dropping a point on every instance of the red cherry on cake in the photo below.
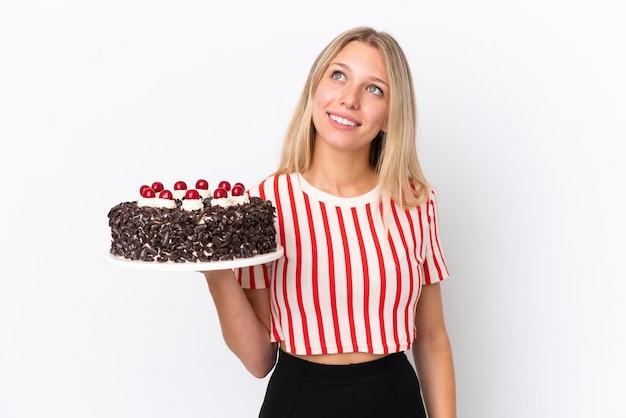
[180,185]
[237,190]
[157,186]
[166,194]
[239,184]
[148,193]
[202,184]
[142,188]
[192,194]
[224,185]
[220,193]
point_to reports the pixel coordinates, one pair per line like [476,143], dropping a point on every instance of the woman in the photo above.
[358,223]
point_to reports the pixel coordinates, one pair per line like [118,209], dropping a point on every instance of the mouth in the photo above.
[343,121]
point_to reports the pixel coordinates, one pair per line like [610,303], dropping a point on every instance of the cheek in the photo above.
[321,97]
[381,118]
[384,114]
[318,107]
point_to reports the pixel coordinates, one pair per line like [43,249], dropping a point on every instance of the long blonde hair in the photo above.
[393,153]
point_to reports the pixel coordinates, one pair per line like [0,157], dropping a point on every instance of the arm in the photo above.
[432,355]
[244,317]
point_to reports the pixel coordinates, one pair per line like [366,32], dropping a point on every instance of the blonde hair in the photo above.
[393,153]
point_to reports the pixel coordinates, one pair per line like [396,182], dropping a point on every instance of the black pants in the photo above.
[385,388]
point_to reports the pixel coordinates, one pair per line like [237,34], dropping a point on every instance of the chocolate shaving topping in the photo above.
[214,233]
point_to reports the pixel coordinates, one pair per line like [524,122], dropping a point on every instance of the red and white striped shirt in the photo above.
[346,283]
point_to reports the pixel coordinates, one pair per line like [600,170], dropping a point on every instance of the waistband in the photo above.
[340,374]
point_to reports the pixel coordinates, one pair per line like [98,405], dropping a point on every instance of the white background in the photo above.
[521,109]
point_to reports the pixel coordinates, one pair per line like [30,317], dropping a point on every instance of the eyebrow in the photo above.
[372,78]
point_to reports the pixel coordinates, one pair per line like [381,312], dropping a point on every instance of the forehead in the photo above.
[361,56]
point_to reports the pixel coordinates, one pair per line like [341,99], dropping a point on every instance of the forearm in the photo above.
[433,361]
[244,332]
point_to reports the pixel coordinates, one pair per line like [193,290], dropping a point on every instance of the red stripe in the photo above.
[420,222]
[266,275]
[426,274]
[252,278]
[279,211]
[348,263]
[315,276]
[331,278]
[410,264]
[261,190]
[275,309]
[298,278]
[396,302]
[417,255]
[366,279]
[383,278]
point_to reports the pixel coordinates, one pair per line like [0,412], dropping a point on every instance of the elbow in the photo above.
[258,372]
[260,369]
[260,366]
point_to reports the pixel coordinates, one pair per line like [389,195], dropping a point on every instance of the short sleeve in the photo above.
[435,268]
[254,277]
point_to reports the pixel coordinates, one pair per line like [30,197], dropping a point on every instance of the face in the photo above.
[352,99]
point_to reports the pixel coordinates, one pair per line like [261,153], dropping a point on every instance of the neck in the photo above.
[344,177]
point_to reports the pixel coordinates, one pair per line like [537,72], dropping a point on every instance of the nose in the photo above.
[350,97]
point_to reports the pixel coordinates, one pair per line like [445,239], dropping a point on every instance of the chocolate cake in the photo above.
[194,226]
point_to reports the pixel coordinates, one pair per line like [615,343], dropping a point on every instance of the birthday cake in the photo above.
[187,225]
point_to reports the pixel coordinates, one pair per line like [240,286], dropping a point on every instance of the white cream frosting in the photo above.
[192,204]
[146,201]
[204,193]
[178,194]
[164,203]
[230,201]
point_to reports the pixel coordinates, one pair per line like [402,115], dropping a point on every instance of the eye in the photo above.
[374,90]
[338,75]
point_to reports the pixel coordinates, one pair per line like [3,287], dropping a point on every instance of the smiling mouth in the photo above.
[343,121]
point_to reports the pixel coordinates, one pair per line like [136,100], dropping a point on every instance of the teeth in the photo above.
[343,121]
